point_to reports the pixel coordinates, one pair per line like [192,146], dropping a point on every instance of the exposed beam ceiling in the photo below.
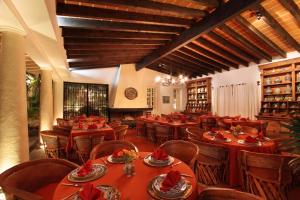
[149,6]
[115,26]
[223,13]
[278,28]
[120,16]
[254,30]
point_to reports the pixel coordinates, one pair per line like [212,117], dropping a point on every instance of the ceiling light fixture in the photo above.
[169,80]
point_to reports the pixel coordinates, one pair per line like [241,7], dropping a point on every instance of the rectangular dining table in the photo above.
[175,124]
[106,131]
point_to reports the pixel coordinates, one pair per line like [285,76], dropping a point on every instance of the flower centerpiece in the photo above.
[236,130]
[129,156]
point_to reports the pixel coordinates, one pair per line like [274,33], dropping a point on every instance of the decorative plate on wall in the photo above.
[131,93]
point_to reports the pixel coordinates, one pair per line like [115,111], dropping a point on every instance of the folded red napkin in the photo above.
[85,169]
[214,130]
[220,136]
[159,154]
[260,137]
[172,178]
[183,119]
[250,139]
[117,153]
[92,126]
[89,192]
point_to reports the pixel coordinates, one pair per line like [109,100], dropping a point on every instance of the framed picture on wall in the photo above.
[166,99]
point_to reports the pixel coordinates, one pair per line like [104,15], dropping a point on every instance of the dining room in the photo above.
[150,99]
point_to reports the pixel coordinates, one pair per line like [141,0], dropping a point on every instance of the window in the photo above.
[83,98]
[151,98]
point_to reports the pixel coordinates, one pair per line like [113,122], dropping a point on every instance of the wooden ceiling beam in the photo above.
[278,28]
[243,22]
[103,41]
[64,21]
[221,52]
[107,52]
[149,6]
[194,61]
[207,3]
[91,67]
[292,7]
[74,32]
[108,63]
[156,68]
[203,59]
[119,16]
[103,59]
[109,47]
[186,68]
[110,55]
[185,62]
[212,56]
[245,42]
[232,47]
[219,16]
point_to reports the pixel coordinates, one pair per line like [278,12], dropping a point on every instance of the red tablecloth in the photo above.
[133,188]
[234,147]
[176,124]
[261,125]
[108,133]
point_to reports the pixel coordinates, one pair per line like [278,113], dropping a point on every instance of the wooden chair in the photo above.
[108,147]
[54,144]
[250,130]
[211,167]
[115,124]
[221,124]
[140,128]
[24,180]
[85,143]
[225,193]
[266,175]
[162,133]
[207,123]
[194,133]
[183,150]
[150,131]
[62,130]
[120,132]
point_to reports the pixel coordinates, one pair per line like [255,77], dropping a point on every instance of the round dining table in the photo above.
[131,188]
[234,146]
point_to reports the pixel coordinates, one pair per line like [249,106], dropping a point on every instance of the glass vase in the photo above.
[129,169]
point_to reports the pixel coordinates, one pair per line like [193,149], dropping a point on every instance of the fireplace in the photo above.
[127,115]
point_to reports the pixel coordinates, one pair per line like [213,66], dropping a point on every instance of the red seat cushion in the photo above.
[47,191]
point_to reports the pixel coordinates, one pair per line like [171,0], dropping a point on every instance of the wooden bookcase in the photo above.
[199,96]
[280,89]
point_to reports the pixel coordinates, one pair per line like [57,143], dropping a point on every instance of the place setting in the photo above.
[159,158]
[219,137]
[87,172]
[100,192]
[254,141]
[172,185]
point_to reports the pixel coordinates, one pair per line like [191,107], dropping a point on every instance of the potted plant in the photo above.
[292,145]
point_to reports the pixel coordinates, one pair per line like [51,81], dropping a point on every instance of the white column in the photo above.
[13,103]
[46,101]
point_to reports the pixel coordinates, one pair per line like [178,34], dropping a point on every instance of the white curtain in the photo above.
[239,99]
